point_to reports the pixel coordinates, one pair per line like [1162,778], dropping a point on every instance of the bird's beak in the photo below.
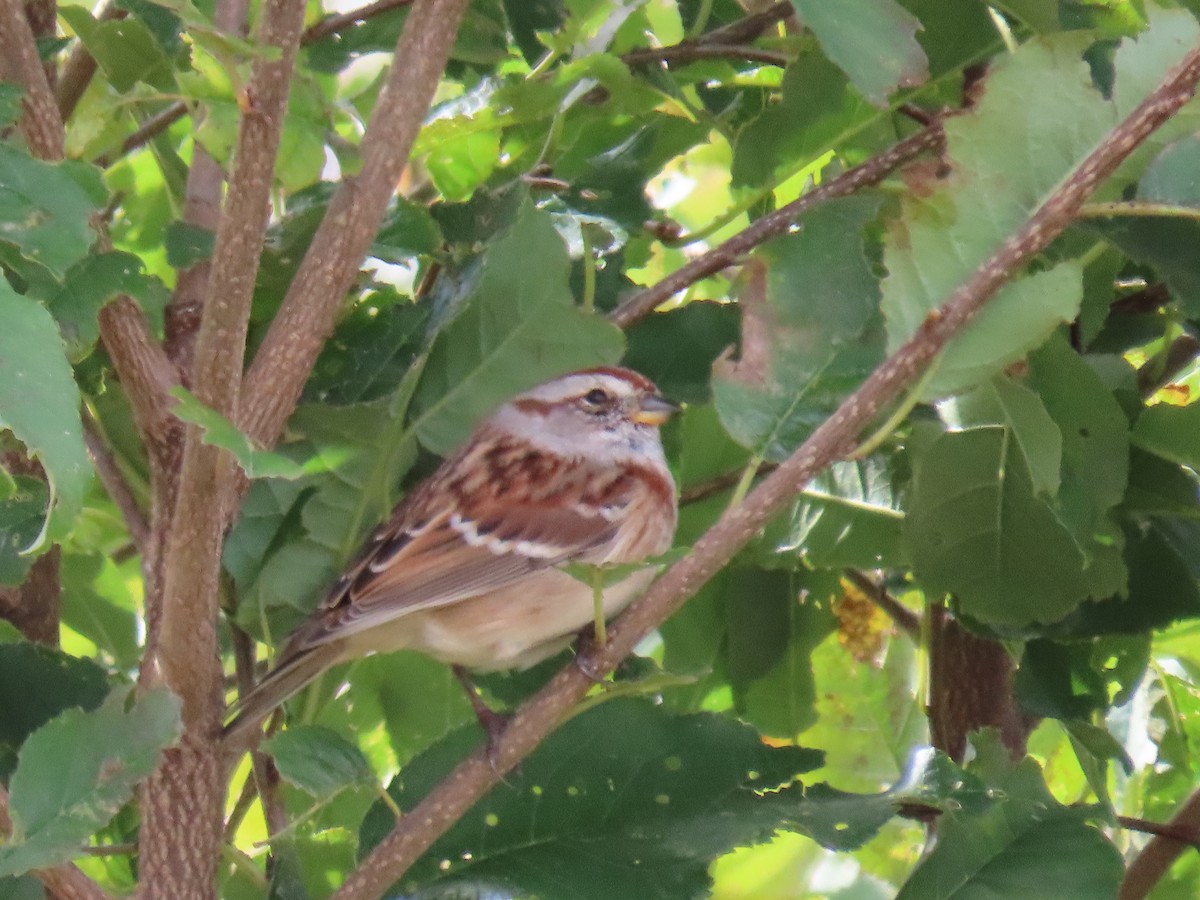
[654,410]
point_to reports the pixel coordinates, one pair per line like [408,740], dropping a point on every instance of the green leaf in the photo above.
[188,244]
[99,603]
[1026,846]
[1164,244]
[625,797]
[511,332]
[849,515]
[1003,401]
[977,531]
[461,165]
[89,285]
[1073,680]
[870,714]
[526,19]
[1171,177]
[1095,438]
[37,683]
[676,349]
[45,209]
[770,633]
[802,350]
[930,780]
[22,515]
[1170,432]
[816,93]
[399,704]
[872,41]
[1161,590]
[940,239]
[374,347]
[10,103]
[220,432]
[318,761]
[39,403]
[125,49]
[76,772]
[407,230]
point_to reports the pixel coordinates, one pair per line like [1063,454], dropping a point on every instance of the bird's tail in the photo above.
[245,717]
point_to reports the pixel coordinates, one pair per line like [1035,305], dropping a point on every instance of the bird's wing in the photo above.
[439,548]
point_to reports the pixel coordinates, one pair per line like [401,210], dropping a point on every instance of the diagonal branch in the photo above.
[1156,858]
[533,721]
[341,21]
[868,173]
[684,53]
[290,348]
[40,123]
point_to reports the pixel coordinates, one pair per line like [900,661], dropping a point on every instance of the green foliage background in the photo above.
[772,741]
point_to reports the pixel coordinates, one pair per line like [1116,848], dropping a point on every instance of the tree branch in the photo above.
[181,831]
[341,21]
[155,125]
[906,620]
[1168,830]
[1157,857]
[534,720]
[40,123]
[290,348]
[691,51]
[752,26]
[201,209]
[871,172]
[65,882]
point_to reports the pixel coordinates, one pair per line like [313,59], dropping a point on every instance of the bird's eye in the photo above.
[596,397]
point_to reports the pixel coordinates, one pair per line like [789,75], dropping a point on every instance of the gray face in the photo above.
[586,414]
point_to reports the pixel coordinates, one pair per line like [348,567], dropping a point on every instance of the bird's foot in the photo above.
[492,721]
[585,645]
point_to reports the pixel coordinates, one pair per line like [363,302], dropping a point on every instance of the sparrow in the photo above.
[467,568]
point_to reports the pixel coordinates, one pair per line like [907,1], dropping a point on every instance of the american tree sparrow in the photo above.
[466,569]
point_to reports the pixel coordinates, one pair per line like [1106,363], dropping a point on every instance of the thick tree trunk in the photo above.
[971,687]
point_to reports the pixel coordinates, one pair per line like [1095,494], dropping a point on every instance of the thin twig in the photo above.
[535,719]
[341,21]
[1168,830]
[906,620]
[114,482]
[1156,858]
[752,26]
[1147,300]
[871,172]
[718,485]
[1161,369]
[738,32]
[684,53]
[151,128]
